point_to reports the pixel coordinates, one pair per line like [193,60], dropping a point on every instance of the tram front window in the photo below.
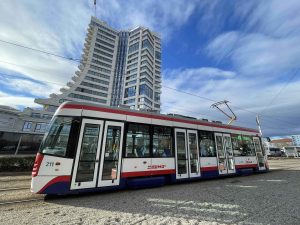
[56,140]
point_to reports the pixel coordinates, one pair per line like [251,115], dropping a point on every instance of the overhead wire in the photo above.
[39,50]
[78,60]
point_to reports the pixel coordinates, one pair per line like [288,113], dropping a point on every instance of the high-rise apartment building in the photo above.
[116,68]
[296,140]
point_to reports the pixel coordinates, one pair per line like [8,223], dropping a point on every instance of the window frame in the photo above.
[26,126]
[73,138]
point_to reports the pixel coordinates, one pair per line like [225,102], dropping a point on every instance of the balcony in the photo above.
[78,73]
[53,95]
[70,84]
[63,89]
[81,67]
[85,50]
[74,78]
[88,40]
[87,45]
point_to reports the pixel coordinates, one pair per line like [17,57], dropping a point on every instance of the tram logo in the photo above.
[153,167]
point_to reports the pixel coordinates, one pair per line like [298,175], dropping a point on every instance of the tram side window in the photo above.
[242,145]
[248,145]
[138,141]
[56,140]
[162,142]
[207,144]
[237,144]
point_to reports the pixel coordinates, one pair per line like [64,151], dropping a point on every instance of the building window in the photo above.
[40,127]
[48,116]
[145,100]
[207,144]
[157,55]
[146,44]
[129,92]
[87,98]
[36,115]
[156,96]
[27,126]
[130,82]
[133,47]
[138,141]
[146,90]
[162,142]
[130,101]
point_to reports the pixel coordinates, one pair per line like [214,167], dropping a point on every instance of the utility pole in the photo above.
[217,104]
[258,124]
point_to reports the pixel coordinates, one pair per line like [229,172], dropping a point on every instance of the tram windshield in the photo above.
[56,139]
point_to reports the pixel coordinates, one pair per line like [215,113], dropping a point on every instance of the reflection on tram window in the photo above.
[248,145]
[111,154]
[162,142]
[194,160]
[207,144]
[56,140]
[242,145]
[89,145]
[181,153]
[138,141]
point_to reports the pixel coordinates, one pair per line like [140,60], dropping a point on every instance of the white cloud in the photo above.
[29,87]
[17,101]
[161,16]
[244,94]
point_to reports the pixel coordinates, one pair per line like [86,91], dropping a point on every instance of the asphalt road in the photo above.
[270,198]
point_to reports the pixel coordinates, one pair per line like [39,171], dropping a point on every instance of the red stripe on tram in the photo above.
[147,173]
[209,168]
[245,166]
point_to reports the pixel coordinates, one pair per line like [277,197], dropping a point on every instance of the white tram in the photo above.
[97,148]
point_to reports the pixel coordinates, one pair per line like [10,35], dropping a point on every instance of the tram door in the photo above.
[259,154]
[87,155]
[224,153]
[109,174]
[187,154]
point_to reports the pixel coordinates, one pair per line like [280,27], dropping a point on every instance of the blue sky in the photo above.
[246,52]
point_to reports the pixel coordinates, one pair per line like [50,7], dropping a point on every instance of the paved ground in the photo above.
[271,198]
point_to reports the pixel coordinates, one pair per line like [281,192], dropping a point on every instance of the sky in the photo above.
[245,52]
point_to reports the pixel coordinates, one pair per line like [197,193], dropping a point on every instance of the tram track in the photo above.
[14,189]
[21,201]
[14,180]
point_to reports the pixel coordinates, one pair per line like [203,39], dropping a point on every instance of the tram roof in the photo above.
[150,115]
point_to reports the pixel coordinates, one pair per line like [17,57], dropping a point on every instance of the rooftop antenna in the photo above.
[217,104]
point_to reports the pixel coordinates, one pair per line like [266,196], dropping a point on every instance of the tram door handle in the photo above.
[97,160]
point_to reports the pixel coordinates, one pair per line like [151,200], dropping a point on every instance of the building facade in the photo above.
[280,143]
[296,140]
[116,68]
[21,132]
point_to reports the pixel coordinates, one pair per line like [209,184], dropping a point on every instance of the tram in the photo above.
[91,148]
